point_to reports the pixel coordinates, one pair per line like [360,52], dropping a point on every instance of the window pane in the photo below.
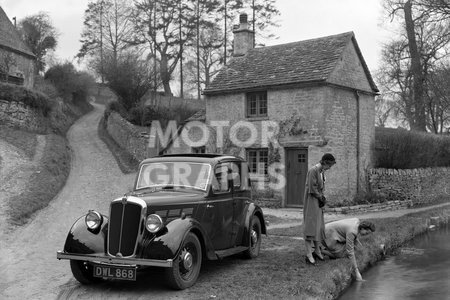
[251,106]
[263,107]
[252,161]
[264,160]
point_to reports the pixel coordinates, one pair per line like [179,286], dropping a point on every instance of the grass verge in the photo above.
[23,140]
[44,183]
[280,271]
[127,163]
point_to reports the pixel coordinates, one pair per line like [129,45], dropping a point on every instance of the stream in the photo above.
[421,270]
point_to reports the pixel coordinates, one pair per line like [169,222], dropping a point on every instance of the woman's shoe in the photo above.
[309,262]
[316,256]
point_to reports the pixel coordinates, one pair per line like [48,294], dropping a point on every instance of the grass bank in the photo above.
[280,272]
[127,163]
[46,179]
[330,278]
[48,174]
[26,141]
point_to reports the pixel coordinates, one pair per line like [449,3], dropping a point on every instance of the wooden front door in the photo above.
[296,169]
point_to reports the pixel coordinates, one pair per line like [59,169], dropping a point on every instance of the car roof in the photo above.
[193,157]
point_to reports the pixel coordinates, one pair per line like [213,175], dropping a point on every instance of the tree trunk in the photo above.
[416,69]
[165,76]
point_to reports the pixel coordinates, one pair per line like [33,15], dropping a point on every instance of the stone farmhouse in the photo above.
[319,96]
[17,62]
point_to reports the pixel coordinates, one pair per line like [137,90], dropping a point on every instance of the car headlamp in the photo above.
[154,223]
[93,220]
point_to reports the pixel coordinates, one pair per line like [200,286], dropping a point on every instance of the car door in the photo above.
[241,199]
[218,215]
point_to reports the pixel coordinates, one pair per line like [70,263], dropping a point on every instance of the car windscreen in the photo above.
[174,174]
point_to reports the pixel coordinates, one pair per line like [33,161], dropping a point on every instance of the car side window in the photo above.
[236,175]
[220,179]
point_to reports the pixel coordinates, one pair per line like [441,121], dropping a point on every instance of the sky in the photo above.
[299,20]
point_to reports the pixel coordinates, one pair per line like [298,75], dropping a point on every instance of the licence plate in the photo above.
[115,272]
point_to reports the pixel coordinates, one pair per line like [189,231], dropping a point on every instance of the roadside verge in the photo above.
[331,277]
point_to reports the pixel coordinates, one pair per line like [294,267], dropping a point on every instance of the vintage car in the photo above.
[183,209]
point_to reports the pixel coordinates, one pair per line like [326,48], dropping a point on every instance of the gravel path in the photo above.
[28,265]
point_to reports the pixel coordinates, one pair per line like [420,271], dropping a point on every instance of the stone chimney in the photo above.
[243,37]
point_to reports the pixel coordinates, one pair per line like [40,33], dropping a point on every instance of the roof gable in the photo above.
[299,62]
[10,37]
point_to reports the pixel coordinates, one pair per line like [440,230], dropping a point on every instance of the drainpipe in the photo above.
[358,134]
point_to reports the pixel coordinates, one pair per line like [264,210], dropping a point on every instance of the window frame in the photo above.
[258,172]
[258,100]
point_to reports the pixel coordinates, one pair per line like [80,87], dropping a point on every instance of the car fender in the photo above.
[253,210]
[81,240]
[167,243]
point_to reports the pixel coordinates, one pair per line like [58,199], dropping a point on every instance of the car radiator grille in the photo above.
[124,223]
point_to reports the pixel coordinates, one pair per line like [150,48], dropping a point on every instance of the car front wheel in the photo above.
[255,238]
[83,272]
[186,266]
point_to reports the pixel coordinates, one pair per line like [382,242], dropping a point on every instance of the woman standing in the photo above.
[314,226]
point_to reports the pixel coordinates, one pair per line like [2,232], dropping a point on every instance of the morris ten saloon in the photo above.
[183,209]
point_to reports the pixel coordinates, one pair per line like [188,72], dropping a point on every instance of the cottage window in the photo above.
[258,160]
[257,104]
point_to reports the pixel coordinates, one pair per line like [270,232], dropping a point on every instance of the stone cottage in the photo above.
[310,97]
[16,59]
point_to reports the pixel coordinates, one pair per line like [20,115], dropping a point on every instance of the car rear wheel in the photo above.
[255,238]
[186,266]
[83,272]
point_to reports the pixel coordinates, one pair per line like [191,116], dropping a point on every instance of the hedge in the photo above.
[14,93]
[403,149]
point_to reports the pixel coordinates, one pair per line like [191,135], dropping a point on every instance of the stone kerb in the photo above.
[419,186]
[128,136]
[17,114]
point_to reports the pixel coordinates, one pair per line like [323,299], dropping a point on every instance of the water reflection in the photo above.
[420,271]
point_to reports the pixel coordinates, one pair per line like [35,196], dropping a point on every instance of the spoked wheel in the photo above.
[255,238]
[83,272]
[186,266]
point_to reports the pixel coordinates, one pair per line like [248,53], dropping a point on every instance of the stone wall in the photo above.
[17,114]
[134,139]
[419,186]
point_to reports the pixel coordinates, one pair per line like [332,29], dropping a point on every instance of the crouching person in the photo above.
[341,237]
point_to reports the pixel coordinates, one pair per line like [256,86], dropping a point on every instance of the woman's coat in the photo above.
[312,214]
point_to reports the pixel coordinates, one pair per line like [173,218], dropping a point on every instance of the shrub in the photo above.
[143,116]
[72,85]
[403,149]
[116,107]
[28,97]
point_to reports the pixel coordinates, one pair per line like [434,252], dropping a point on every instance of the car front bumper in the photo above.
[115,260]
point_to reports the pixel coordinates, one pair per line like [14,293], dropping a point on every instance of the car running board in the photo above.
[231,251]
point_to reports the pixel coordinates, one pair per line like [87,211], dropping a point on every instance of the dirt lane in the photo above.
[28,265]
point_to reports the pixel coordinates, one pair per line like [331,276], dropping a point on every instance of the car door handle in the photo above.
[209,206]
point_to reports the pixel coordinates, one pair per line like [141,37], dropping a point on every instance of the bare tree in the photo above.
[264,13]
[157,25]
[209,54]
[107,28]
[40,35]
[413,56]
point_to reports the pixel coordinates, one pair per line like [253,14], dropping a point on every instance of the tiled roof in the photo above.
[299,62]
[9,36]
